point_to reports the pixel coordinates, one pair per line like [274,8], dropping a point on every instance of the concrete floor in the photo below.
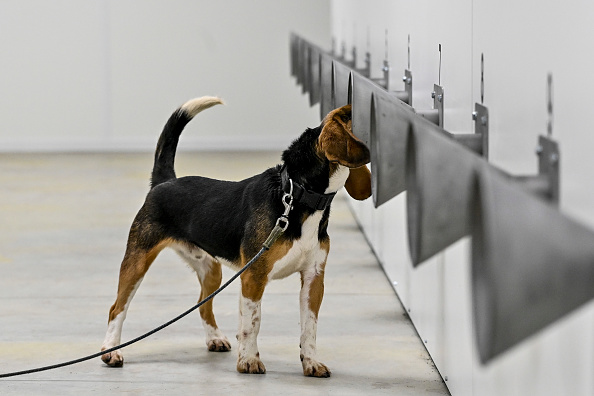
[64,222]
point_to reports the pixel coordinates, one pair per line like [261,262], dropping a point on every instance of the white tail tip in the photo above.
[195,106]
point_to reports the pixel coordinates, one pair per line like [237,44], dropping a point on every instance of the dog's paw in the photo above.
[313,368]
[113,359]
[250,365]
[220,344]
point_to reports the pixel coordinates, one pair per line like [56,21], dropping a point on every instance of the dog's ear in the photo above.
[337,141]
[358,184]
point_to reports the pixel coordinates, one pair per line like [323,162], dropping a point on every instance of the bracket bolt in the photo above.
[395,283]
[484,120]
[445,378]
[554,158]
[439,98]
[539,150]
[426,341]
[404,78]
[474,115]
[433,94]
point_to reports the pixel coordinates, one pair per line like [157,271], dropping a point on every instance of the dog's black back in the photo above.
[198,210]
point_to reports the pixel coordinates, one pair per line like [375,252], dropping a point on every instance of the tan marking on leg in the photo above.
[210,283]
[253,283]
[316,288]
[134,266]
[254,279]
[316,294]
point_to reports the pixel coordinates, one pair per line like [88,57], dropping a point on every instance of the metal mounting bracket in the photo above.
[435,115]
[548,164]
[479,140]
[365,71]
[546,183]
[481,127]
[406,94]
[353,62]
[384,82]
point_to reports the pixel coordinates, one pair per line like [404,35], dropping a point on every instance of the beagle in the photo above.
[212,222]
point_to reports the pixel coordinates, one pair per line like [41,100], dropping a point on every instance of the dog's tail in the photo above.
[163,169]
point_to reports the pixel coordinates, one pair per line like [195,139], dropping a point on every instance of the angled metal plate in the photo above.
[294,45]
[390,125]
[531,265]
[326,84]
[314,76]
[439,173]
[341,84]
[360,92]
[300,66]
[303,66]
[307,68]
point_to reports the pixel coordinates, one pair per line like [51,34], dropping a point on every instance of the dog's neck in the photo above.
[307,167]
[311,199]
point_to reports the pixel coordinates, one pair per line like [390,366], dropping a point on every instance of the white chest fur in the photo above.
[338,179]
[306,252]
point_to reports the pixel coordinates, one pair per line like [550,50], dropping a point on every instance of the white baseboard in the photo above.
[206,143]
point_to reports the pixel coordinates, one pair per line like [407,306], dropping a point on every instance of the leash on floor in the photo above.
[281,225]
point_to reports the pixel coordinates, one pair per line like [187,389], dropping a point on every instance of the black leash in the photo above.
[281,225]
[142,337]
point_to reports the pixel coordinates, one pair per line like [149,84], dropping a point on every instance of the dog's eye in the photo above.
[345,118]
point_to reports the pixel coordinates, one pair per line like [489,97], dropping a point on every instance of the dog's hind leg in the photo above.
[209,275]
[136,263]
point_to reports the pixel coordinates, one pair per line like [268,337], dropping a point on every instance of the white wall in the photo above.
[106,74]
[522,42]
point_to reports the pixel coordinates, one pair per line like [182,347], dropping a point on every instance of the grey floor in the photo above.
[63,226]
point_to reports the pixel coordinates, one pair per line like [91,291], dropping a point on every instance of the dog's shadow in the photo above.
[181,354]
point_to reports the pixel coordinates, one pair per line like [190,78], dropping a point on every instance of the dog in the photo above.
[212,222]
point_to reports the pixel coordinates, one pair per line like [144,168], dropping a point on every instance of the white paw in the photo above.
[313,368]
[218,344]
[113,359]
[250,365]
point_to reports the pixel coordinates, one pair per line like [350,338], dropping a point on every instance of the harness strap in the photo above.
[302,195]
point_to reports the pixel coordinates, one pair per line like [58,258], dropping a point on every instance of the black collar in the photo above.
[304,196]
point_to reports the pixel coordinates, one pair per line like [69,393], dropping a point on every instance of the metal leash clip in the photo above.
[283,221]
[288,203]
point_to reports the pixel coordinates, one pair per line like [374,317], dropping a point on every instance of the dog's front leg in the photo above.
[310,299]
[252,289]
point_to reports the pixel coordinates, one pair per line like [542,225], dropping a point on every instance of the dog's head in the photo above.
[338,144]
